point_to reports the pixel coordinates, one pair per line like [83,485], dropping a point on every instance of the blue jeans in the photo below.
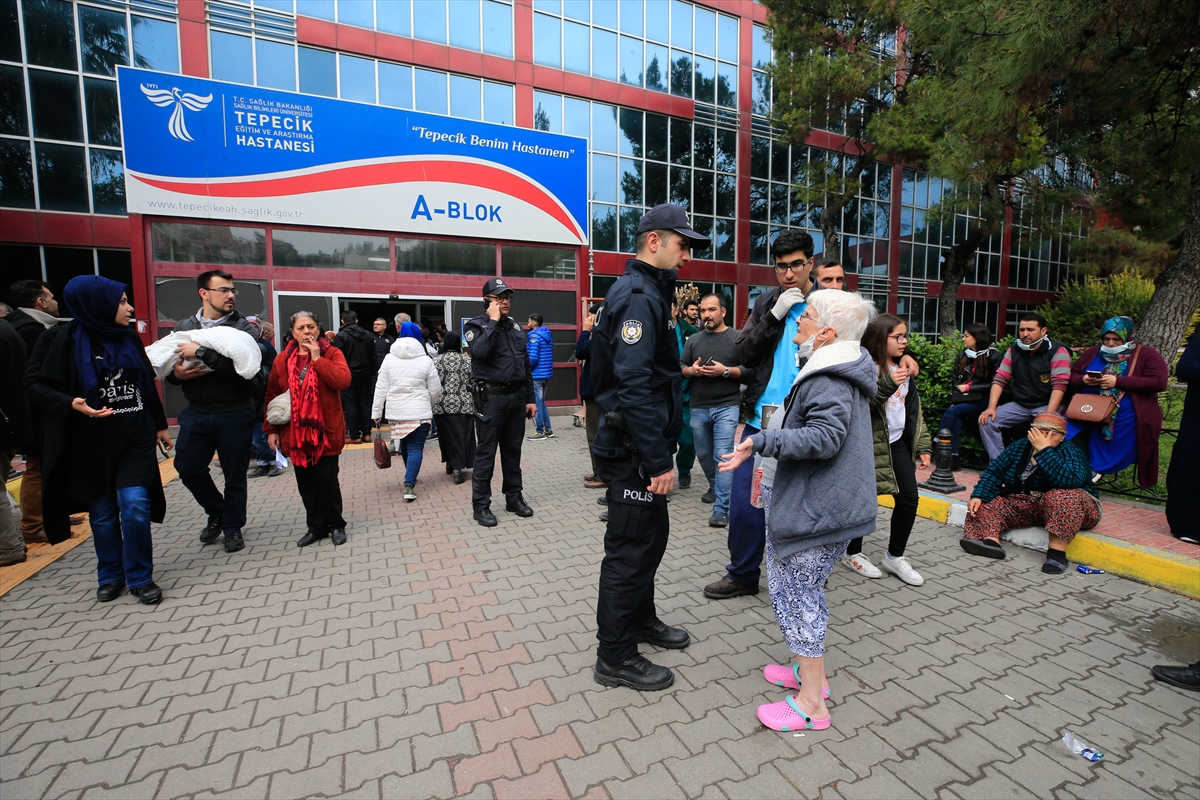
[542,417]
[264,456]
[955,416]
[713,430]
[121,533]
[412,452]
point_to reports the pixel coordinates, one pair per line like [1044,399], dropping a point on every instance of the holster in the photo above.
[479,394]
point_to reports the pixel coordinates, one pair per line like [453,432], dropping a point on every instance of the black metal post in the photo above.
[942,479]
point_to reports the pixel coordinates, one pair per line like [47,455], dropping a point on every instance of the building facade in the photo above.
[670,96]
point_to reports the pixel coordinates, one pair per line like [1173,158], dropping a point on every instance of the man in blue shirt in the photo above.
[763,347]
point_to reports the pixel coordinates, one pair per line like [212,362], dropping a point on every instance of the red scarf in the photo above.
[308,423]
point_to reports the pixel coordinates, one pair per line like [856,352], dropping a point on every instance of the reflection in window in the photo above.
[12,101]
[631,61]
[445,257]
[329,250]
[49,33]
[681,74]
[557,263]
[103,118]
[155,45]
[102,40]
[108,182]
[16,174]
[657,67]
[62,175]
[189,243]
[54,100]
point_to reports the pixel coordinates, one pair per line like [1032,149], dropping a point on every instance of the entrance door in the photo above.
[430,313]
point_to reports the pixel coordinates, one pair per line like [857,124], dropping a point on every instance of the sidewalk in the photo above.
[430,657]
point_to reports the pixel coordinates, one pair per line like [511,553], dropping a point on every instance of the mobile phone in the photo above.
[709,362]
[1092,373]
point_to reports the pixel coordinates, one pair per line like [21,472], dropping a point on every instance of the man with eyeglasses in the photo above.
[763,347]
[219,416]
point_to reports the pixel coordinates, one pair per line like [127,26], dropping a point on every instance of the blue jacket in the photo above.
[541,353]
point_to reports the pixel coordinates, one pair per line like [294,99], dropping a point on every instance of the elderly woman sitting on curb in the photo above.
[1042,480]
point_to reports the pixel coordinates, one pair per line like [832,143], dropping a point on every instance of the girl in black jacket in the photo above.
[973,375]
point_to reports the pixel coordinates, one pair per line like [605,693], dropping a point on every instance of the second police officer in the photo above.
[637,381]
[503,388]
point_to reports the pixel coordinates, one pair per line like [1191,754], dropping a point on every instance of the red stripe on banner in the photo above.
[377,175]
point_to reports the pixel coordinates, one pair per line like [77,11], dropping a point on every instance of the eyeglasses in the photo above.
[224,290]
[795,266]
[899,337]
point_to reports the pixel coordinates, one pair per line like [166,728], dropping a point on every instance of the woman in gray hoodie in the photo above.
[818,487]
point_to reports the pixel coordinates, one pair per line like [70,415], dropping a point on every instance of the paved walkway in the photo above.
[430,657]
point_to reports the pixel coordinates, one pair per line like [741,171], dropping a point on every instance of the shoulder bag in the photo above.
[1098,408]
[279,410]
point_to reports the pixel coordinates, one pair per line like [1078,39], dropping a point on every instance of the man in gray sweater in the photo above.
[710,360]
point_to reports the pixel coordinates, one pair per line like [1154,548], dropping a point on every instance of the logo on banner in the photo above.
[166,97]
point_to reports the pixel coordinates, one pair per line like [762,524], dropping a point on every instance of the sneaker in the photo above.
[234,541]
[13,558]
[709,497]
[862,565]
[902,570]
[720,520]
[537,437]
[410,493]
[685,480]
[548,435]
[211,531]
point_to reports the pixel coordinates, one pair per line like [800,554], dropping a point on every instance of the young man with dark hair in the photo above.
[37,310]
[219,416]
[358,346]
[691,312]
[829,274]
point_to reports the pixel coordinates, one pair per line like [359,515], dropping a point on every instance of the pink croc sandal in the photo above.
[787,716]
[785,677]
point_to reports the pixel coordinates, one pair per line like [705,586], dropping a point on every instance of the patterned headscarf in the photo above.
[1121,326]
[1116,363]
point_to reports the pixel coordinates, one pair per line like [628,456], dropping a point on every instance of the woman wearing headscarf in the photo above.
[1133,374]
[102,419]
[405,391]
[314,373]
[454,411]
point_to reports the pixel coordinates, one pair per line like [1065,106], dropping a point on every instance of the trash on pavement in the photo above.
[1081,748]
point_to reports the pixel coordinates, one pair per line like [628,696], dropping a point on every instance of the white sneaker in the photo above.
[902,570]
[862,565]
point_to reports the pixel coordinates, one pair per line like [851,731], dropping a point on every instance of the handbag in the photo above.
[1098,408]
[383,459]
[279,410]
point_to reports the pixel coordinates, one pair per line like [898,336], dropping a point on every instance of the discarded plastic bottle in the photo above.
[1081,748]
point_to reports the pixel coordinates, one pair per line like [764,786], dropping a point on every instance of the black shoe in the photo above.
[602,500]
[234,541]
[518,507]
[709,497]
[147,595]
[636,673]
[337,536]
[604,516]
[460,476]
[109,592]
[658,633]
[982,547]
[726,588]
[261,471]
[1183,677]
[310,537]
[685,480]
[486,518]
[719,520]
[274,472]
[211,531]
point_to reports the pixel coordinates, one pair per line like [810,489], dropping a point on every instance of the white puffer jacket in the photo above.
[408,385]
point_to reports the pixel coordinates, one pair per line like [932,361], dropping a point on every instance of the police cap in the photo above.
[496,286]
[670,217]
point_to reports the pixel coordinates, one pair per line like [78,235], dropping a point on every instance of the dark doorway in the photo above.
[423,312]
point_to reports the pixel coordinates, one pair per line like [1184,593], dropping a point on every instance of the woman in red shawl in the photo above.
[314,372]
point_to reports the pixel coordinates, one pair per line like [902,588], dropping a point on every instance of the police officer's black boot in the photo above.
[636,673]
[486,518]
[519,507]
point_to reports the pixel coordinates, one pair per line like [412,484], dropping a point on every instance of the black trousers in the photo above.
[505,428]
[356,405]
[905,512]
[634,543]
[322,495]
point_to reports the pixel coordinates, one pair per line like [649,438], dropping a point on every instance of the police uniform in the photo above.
[503,382]
[638,386]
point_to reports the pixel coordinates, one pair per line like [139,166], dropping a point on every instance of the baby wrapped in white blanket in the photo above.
[235,345]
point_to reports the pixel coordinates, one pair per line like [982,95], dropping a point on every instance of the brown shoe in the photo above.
[77,519]
[37,537]
[15,558]
[587,478]
[725,588]
[594,484]
[366,439]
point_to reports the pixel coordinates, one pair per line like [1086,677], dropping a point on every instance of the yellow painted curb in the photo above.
[927,507]
[1146,564]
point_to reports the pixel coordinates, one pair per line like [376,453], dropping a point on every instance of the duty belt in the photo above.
[505,388]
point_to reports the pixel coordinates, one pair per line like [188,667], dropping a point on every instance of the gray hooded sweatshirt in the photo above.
[824,486]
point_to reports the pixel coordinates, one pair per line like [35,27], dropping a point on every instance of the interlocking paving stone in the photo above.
[431,658]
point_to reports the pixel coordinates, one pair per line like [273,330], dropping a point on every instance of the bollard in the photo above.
[942,479]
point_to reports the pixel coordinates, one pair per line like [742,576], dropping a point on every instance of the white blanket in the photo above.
[236,345]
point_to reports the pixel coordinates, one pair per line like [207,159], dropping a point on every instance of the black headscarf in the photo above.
[99,341]
[451,342]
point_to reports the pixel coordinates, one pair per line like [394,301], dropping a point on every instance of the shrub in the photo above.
[1075,317]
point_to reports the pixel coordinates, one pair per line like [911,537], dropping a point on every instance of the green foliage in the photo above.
[1109,251]
[1076,316]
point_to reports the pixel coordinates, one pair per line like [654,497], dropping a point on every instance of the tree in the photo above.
[1075,317]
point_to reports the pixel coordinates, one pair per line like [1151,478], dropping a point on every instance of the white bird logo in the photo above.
[165,97]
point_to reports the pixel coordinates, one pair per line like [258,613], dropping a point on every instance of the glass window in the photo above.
[702,198]
[656,183]
[155,45]
[703,135]
[445,257]
[497,28]
[604,227]
[465,31]
[631,17]
[656,137]
[631,181]
[190,243]
[62,177]
[657,67]
[318,72]
[12,102]
[49,33]
[547,40]
[394,16]
[723,240]
[520,261]
[604,128]
[726,155]
[706,80]
[102,39]
[726,195]
[604,13]
[465,99]
[681,186]
[578,9]
[760,157]
[431,91]
[604,54]
[604,178]
[627,223]
[658,20]
[356,12]
[681,141]
[631,61]
[577,48]
[330,250]
[549,6]
[630,138]
[760,100]
[232,59]
[321,9]
[762,48]
[727,38]
[55,101]
[395,85]
[576,117]
[681,74]
[681,25]
[10,35]
[727,82]
[278,5]
[547,114]
[357,77]
[16,174]
[276,64]
[429,20]
[706,32]
[498,103]
[103,116]
[108,182]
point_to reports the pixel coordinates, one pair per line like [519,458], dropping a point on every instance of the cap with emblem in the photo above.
[496,286]
[670,217]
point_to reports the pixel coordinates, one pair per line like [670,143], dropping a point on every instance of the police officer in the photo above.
[637,381]
[503,391]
